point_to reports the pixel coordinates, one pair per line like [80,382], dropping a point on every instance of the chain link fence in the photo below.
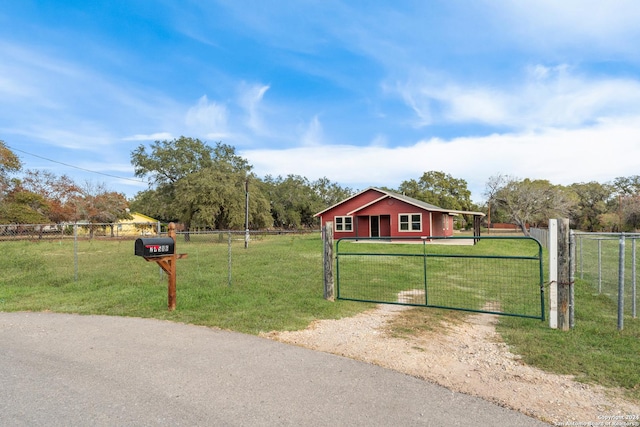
[79,230]
[608,261]
[82,249]
[192,241]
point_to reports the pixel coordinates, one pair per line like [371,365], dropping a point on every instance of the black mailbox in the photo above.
[155,246]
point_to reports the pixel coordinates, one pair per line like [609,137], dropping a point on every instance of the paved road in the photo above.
[68,370]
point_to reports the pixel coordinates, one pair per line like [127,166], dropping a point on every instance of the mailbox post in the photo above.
[162,250]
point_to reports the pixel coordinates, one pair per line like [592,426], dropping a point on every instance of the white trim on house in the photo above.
[430,222]
[346,223]
[373,202]
[410,222]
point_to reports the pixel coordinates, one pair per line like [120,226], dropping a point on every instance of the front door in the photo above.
[374,223]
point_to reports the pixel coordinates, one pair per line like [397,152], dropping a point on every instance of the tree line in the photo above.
[41,197]
[190,182]
[591,206]
[206,186]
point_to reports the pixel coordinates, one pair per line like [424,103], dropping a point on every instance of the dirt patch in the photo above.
[470,357]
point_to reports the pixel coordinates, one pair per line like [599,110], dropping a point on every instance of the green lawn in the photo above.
[276,284]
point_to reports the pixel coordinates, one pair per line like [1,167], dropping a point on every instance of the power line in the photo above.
[76,167]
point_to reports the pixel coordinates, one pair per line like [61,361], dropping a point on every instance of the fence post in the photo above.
[229,260]
[553,273]
[581,265]
[328,261]
[621,284]
[246,213]
[75,252]
[599,266]
[633,278]
[564,274]
[572,279]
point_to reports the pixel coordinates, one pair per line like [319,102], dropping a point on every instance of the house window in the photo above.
[410,222]
[343,223]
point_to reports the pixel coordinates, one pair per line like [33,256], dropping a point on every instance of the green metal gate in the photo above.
[492,274]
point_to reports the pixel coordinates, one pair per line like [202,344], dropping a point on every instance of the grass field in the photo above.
[276,284]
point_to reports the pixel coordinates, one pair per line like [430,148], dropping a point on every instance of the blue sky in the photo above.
[365,93]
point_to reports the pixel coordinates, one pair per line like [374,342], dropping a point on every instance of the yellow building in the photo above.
[140,225]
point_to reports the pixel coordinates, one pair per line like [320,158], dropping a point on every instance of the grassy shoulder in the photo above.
[275,284]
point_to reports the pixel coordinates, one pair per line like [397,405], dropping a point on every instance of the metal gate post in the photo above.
[424,264]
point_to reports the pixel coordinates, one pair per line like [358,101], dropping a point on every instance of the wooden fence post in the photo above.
[171,289]
[553,273]
[328,261]
[564,275]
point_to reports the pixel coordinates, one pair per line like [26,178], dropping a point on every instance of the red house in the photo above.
[380,213]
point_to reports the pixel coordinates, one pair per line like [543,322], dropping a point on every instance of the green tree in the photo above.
[591,200]
[169,161]
[528,201]
[630,211]
[164,166]
[23,207]
[195,183]
[9,163]
[440,189]
[215,197]
[100,206]
[292,201]
[329,193]
[627,185]
[627,203]
[150,203]
[58,192]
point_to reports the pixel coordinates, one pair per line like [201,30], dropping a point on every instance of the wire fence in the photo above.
[80,230]
[82,250]
[608,262]
[191,241]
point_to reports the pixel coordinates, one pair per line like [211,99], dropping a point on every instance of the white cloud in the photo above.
[150,137]
[586,25]
[484,105]
[563,156]
[546,96]
[313,134]
[250,99]
[207,117]
[87,137]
